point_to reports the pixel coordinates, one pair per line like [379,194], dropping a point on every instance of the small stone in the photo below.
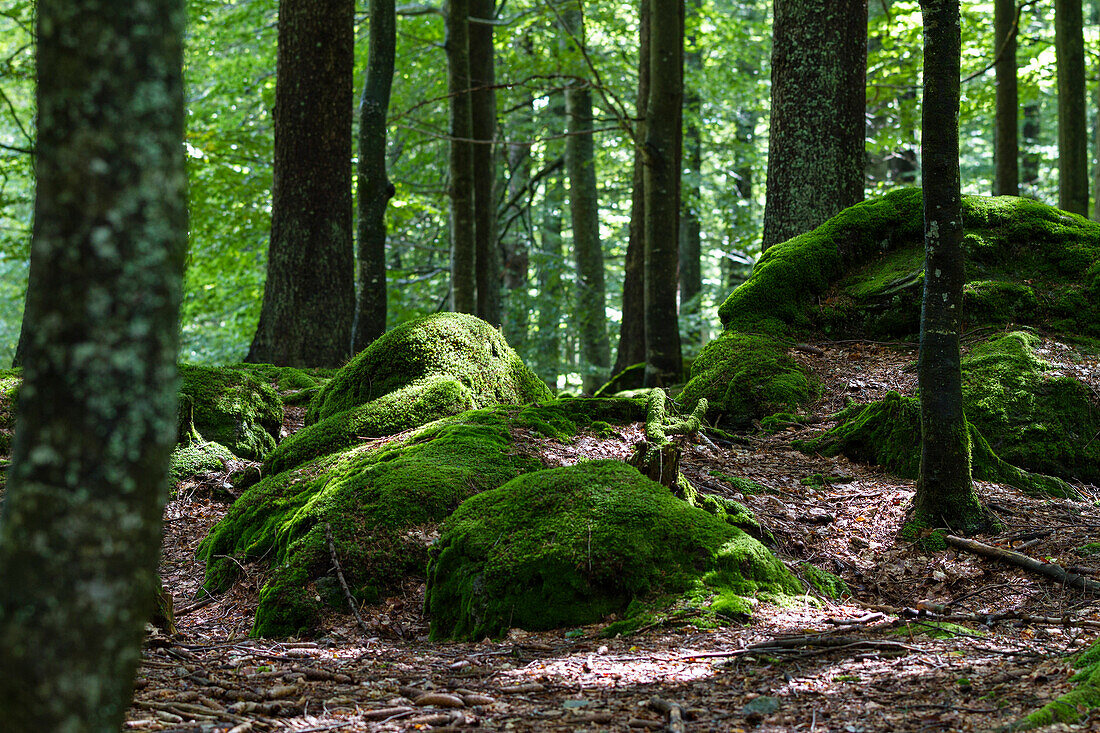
[756,709]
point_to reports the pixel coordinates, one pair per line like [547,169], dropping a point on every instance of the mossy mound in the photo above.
[231,407]
[1073,705]
[197,458]
[568,546]
[860,273]
[381,503]
[1032,419]
[745,376]
[295,385]
[451,345]
[887,433]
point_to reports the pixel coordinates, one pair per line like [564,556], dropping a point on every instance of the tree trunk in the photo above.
[549,262]
[309,299]
[516,234]
[1032,158]
[1096,132]
[81,522]
[945,494]
[463,242]
[375,189]
[483,110]
[1005,147]
[1073,176]
[662,193]
[815,157]
[580,165]
[691,274]
[632,327]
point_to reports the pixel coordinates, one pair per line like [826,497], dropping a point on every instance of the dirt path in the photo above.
[828,666]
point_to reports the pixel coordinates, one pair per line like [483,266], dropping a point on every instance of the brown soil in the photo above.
[872,662]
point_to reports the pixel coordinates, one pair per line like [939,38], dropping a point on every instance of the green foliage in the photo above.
[567,546]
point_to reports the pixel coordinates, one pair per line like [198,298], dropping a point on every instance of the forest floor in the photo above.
[871,662]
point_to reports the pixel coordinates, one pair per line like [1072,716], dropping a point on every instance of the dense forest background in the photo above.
[230,78]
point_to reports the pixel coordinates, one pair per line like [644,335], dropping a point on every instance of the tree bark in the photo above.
[1006,176]
[375,189]
[309,299]
[815,157]
[945,494]
[516,235]
[463,241]
[691,273]
[81,521]
[662,193]
[632,327]
[584,208]
[1073,180]
[549,261]
[483,110]
[1032,157]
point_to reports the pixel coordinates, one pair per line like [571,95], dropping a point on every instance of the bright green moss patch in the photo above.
[745,376]
[1073,705]
[452,345]
[1031,419]
[568,546]
[887,433]
[231,407]
[828,585]
[744,485]
[197,458]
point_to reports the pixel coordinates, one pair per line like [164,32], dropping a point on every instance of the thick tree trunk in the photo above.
[815,156]
[549,262]
[1006,152]
[691,273]
[375,189]
[662,193]
[945,494]
[81,521]
[632,328]
[1073,176]
[463,242]
[584,208]
[309,299]
[483,109]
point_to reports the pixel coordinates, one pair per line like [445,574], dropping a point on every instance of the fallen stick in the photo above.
[672,711]
[1050,570]
[344,583]
[989,618]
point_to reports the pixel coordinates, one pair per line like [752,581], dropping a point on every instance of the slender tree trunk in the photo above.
[945,494]
[1096,131]
[580,164]
[1073,180]
[819,71]
[1032,158]
[483,126]
[516,237]
[632,328]
[550,259]
[81,521]
[691,274]
[1005,147]
[662,193]
[375,189]
[309,299]
[463,241]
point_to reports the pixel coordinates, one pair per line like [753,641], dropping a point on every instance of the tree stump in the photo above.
[660,463]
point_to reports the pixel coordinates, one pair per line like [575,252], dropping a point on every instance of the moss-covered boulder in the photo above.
[746,376]
[231,407]
[381,503]
[568,546]
[461,347]
[887,433]
[197,458]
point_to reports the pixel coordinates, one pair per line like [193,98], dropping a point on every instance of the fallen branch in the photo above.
[672,711]
[989,618]
[1050,570]
[343,582]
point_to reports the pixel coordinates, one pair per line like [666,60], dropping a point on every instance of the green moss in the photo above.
[744,485]
[568,546]
[887,433]
[288,604]
[197,458]
[828,585]
[747,376]
[629,378]
[231,407]
[453,345]
[729,511]
[287,379]
[563,418]
[1071,706]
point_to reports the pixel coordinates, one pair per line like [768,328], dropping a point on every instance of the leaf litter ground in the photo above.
[870,662]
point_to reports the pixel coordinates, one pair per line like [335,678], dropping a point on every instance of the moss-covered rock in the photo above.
[231,407]
[745,376]
[453,345]
[1031,418]
[887,433]
[567,546]
[197,458]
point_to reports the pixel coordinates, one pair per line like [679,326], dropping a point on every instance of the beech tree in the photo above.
[463,241]
[815,155]
[1006,172]
[375,189]
[945,494]
[309,297]
[81,522]
[483,126]
[1073,179]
